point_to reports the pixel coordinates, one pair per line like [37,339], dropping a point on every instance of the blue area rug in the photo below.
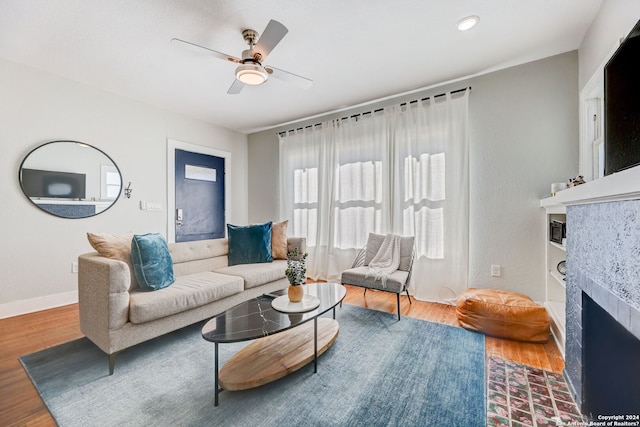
[379,372]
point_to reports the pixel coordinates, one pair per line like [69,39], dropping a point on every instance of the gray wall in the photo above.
[523,127]
[614,20]
[37,248]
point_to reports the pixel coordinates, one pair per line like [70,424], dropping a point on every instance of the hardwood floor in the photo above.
[20,404]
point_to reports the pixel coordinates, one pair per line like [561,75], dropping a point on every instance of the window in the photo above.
[402,170]
[110,183]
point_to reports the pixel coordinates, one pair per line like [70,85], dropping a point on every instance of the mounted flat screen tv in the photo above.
[52,184]
[622,105]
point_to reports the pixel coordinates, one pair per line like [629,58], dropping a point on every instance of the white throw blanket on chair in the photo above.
[386,260]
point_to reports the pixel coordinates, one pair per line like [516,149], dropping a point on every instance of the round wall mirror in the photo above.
[70,179]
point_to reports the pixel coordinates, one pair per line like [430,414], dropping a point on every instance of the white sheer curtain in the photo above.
[402,170]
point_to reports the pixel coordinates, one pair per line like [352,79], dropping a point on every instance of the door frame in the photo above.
[172,145]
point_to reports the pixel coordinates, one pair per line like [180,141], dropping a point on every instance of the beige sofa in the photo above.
[115,317]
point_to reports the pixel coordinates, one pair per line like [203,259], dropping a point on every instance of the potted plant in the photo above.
[296,273]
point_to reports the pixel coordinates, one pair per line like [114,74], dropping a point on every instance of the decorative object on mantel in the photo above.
[557,186]
[617,187]
[572,182]
[296,273]
[576,181]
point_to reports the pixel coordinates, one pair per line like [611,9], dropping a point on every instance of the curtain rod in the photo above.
[284,132]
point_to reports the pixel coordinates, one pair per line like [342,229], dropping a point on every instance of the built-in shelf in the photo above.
[559,278]
[557,314]
[624,185]
[555,286]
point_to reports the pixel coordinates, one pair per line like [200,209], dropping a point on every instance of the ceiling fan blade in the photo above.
[288,77]
[198,48]
[270,37]
[236,87]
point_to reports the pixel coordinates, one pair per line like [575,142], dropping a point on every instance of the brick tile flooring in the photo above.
[519,395]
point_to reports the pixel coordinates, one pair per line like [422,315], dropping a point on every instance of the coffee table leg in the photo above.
[315,344]
[216,376]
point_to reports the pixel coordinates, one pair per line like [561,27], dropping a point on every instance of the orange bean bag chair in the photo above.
[503,314]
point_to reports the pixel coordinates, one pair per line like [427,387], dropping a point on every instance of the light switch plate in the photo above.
[496,270]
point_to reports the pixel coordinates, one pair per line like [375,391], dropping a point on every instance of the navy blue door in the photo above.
[199,196]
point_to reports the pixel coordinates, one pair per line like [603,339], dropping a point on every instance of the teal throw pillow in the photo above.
[249,244]
[152,263]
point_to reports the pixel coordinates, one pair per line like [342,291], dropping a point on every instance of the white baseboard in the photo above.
[25,306]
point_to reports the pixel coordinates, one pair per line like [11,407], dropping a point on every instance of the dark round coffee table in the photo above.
[283,341]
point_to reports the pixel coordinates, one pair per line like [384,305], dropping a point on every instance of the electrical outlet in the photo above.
[496,270]
[74,267]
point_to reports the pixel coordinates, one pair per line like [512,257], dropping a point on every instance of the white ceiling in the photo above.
[354,50]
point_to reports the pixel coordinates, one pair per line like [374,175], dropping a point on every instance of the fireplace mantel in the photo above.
[624,185]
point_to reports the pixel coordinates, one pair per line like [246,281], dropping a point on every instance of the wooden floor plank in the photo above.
[20,404]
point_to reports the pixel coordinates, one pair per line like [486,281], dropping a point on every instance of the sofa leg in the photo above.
[365,292]
[112,362]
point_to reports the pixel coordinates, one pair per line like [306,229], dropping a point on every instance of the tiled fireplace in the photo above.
[602,360]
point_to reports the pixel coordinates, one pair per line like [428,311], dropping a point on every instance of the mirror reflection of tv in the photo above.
[622,105]
[52,184]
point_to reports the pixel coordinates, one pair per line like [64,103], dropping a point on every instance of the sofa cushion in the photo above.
[279,239]
[198,250]
[406,250]
[257,274]
[187,292]
[249,244]
[358,277]
[115,246]
[152,263]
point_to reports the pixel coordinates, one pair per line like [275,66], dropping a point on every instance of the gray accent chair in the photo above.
[397,282]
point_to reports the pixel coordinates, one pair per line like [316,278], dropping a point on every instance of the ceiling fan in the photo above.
[250,70]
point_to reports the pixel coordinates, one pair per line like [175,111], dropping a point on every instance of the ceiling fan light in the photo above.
[251,74]
[467,23]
